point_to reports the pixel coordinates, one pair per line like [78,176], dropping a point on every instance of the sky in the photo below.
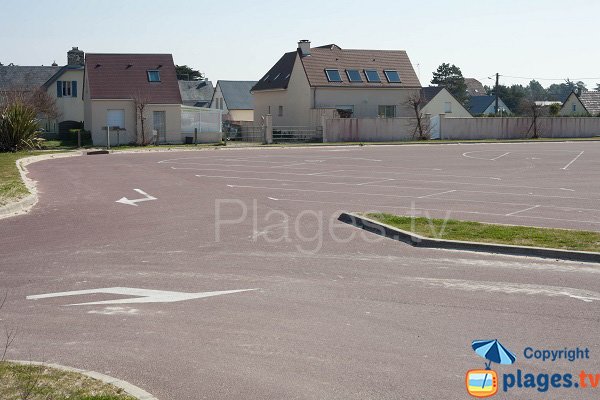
[240,40]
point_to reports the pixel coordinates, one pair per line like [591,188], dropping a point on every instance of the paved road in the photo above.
[338,314]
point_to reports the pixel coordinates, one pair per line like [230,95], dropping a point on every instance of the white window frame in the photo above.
[447,107]
[386,109]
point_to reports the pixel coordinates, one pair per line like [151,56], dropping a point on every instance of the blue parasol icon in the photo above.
[493,351]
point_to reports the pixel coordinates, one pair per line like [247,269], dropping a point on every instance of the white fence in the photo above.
[206,123]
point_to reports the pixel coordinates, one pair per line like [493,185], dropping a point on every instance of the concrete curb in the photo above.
[130,389]
[419,241]
[25,204]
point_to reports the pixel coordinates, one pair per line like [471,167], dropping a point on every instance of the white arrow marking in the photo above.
[142,295]
[125,200]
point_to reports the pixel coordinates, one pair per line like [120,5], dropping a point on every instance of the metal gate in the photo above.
[243,131]
[298,134]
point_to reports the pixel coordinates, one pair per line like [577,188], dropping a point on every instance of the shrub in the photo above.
[19,127]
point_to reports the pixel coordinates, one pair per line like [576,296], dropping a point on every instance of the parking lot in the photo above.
[224,273]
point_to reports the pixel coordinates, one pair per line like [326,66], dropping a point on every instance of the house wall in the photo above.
[217,100]
[241,115]
[366,101]
[567,108]
[437,106]
[98,110]
[70,108]
[491,110]
[518,127]
[296,101]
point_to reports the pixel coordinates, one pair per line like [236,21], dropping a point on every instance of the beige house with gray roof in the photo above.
[310,82]
[586,104]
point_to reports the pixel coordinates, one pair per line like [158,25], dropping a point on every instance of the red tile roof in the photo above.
[122,76]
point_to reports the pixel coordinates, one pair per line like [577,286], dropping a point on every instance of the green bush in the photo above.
[19,127]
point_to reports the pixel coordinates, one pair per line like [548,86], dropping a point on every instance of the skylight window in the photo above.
[372,75]
[153,76]
[392,76]
[333,75]
[353,75]
[276,76]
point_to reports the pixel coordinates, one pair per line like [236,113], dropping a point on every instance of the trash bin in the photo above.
[189,140]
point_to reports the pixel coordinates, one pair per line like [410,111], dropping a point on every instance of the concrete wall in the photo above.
[70,108]
[518,127]
[369,129]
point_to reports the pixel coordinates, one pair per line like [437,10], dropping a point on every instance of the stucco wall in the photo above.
[218,95]
[70,108]
[241,115]
[518,127]
[366,102]
[567,108]
[437,106]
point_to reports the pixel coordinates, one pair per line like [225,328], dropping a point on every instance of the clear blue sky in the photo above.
[238,39]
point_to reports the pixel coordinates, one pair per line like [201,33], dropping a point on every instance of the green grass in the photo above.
[42,383]
[11,185]
[493,233]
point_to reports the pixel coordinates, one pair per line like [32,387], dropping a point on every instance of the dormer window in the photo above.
[353,75]
[333,75]
[392,76]
[372,75]
[153,76]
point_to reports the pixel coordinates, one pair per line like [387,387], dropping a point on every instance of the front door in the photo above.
[160,125]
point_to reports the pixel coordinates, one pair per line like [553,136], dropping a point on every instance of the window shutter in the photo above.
[74,88]
[58,88]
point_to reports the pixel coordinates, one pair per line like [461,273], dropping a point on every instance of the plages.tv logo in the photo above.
[483,383]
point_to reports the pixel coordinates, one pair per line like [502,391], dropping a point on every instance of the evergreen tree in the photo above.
[452,79]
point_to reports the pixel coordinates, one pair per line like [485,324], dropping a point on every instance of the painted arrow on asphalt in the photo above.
[132,202]
[141,295]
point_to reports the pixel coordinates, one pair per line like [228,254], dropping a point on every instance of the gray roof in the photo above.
[25,78]
[478,104]
[474,87]
[196,93]
[237,94]
[591,101]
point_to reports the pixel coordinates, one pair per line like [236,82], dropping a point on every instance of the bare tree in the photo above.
[531,108]
[416,101]
[141,100]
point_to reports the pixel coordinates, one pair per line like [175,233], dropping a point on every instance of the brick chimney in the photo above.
[75,56]
[304,47]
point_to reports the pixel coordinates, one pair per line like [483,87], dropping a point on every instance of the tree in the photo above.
[598,86]
[529,107]
[415,101]
[510,95]
[452,79]
[188,73]
[140,100]
[536,91]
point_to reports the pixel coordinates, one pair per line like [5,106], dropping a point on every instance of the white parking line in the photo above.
[505,154]
[521,211]
[436,194]
[572,161]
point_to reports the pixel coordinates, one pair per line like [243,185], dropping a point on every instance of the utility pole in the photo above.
[496,93]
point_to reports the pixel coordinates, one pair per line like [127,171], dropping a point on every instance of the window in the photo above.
[153,76]
[280,111]
[353,75]
[115,118]
[345,111]
[66,88]
[447,107]
[372,75]
[387,111]
[574,107]
[333,75]
[392,76]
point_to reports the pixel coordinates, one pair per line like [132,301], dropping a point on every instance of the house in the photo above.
[60,83]
[117,86]
[307,83]
[438,100]
[235,99]
[64,88]
[486,105]
[587,103]
[474,87]
[196,93]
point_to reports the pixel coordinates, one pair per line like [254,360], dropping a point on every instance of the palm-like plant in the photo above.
[19,127]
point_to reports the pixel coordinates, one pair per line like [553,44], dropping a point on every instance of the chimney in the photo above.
[304,47]
[75,57]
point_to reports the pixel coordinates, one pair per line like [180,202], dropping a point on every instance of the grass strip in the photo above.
[11,185]
[469,231]
[35,382]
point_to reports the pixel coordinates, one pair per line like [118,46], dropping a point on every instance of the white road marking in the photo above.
[436,194]
[509,288]
[132,202]
[572,161]
[505,154]
[377,181]
[116,311]
[522,211]
[142,295]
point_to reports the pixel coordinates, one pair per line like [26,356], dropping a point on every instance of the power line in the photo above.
[550,79]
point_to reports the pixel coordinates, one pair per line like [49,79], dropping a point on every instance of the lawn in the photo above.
[11,185]
[492,233]
[34,382]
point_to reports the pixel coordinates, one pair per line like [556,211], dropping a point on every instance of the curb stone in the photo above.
[130,389]
[25,204]
[413,239]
